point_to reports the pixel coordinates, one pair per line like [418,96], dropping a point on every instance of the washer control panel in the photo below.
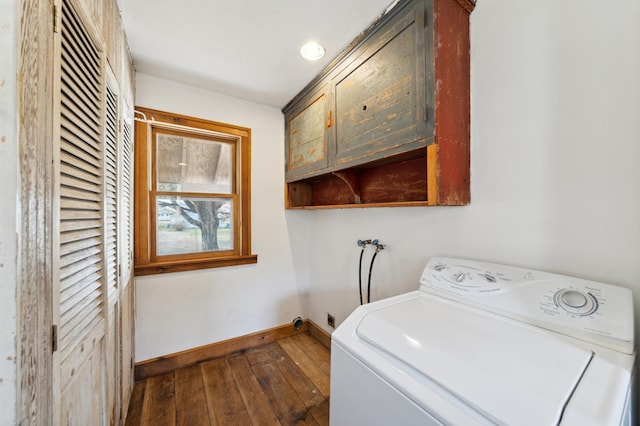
[595,312]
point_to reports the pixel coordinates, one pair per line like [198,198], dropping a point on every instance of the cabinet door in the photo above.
[380,96]
[306,123]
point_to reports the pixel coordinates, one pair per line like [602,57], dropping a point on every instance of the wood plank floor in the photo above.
[281,383]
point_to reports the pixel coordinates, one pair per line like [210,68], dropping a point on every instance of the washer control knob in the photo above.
[460,277]
[490,278]
[574,299]
[576,302]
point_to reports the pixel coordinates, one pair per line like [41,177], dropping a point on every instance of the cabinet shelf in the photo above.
[399,180]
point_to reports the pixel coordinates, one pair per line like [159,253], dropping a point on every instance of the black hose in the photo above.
[369,283]
[360,274]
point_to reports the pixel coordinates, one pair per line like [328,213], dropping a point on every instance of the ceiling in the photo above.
[249,49]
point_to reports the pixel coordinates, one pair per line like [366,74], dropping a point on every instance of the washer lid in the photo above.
[510,372]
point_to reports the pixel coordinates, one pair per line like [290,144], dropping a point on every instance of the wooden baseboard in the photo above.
[171,362]
[321,336]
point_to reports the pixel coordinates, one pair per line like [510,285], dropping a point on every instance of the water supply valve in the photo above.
[379,247]
[363,243]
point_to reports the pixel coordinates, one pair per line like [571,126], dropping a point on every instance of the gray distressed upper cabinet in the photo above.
[387,122]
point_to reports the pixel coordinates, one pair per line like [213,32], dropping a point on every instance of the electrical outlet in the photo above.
[331,320]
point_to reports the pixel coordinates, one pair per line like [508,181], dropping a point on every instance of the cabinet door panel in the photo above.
[83,393]
[380,100]
[307,136]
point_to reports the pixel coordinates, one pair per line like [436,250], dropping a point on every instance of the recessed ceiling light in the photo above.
[312,51]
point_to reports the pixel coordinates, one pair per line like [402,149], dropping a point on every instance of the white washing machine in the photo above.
[481,343]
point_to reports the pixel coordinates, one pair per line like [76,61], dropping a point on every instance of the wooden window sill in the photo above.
[194,264]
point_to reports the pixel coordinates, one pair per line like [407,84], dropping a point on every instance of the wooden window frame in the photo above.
[148,121]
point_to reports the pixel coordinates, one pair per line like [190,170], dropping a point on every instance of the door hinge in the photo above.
[56,19]
[54,338]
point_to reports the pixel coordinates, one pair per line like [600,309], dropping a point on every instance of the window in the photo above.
[192,193]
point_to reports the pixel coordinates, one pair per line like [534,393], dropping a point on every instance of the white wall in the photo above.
[8,199]
[555,89]
[184,310]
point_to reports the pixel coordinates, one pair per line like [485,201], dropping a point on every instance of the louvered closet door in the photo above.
[125,254]
[81,320]
[112,341]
